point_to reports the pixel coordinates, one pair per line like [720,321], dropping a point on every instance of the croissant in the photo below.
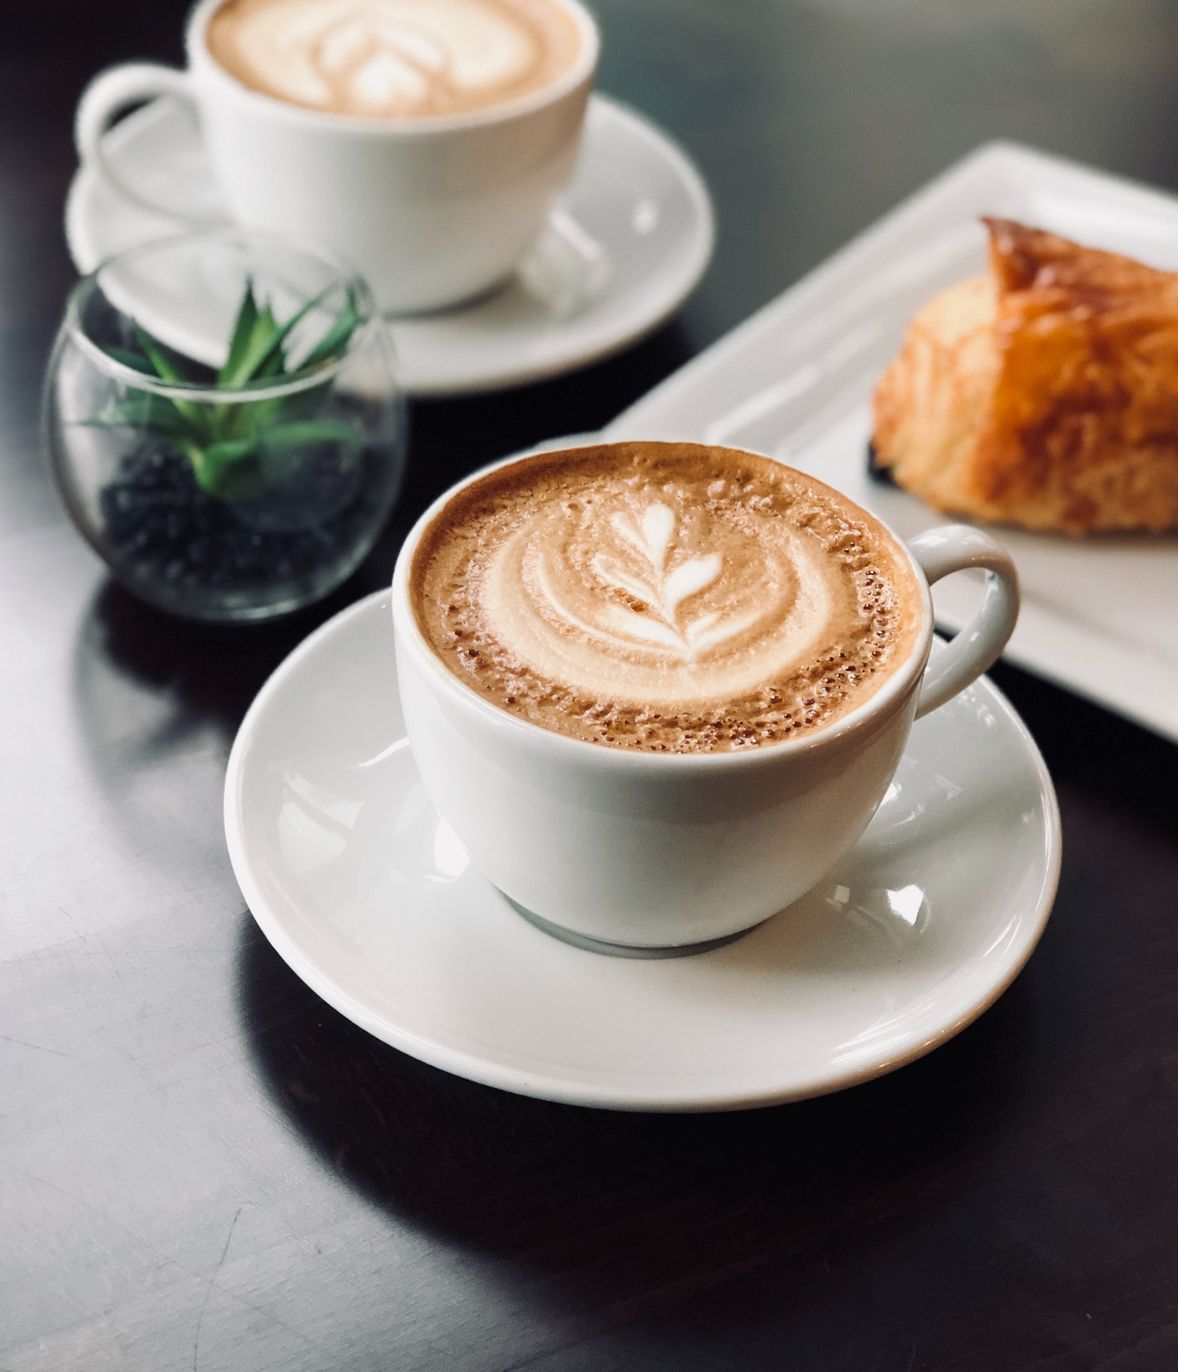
[1044,394]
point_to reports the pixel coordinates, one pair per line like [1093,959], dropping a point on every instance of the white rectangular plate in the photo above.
[1099,616]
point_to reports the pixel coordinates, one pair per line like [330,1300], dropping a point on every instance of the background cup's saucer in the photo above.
[370,899]
[636,199]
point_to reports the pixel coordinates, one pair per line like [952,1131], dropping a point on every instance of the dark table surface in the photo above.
[204,1167]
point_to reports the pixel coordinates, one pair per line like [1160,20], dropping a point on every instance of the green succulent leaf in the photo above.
[136,361]
[243,328]
[252,351]
[306,433]
[242,468]
[230,470]
[273,361]
[142,410]
[157,355]
[194,413]
[332,344]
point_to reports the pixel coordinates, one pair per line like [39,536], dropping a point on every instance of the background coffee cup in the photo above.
[431,210]
[660,851]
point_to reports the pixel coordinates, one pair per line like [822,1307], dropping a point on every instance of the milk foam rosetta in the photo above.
[394,58]
[671,597]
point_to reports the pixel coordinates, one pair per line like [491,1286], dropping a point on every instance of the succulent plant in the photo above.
[237,449]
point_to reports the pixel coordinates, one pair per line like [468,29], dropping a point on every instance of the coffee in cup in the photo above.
[394,59]
[667,597]
[424,142]
[658,690]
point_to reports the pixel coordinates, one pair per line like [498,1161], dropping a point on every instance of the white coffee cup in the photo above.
[645,850]
[431,210]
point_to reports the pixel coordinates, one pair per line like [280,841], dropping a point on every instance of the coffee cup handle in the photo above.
[109,93]
[979,643]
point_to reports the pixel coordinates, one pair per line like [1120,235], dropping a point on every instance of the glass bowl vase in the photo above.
[224,423]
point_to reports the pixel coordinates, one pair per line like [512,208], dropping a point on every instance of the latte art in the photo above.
[653,608]
[663,596]
[393,58]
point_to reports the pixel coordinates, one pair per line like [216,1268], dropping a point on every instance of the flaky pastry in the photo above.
[1044,394]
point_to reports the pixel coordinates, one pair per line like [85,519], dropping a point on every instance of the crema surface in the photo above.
[394,58]
[668,597]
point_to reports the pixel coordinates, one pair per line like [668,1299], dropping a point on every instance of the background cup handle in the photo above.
[978,645]
[110,92]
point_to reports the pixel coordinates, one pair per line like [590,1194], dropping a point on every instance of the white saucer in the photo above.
[635,195]
[370,899]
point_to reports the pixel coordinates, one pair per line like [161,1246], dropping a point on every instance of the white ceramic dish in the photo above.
[635,234]
[795,381]
[371,900]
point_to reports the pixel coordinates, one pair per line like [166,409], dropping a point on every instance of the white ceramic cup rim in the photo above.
[904,679]
[406,127]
